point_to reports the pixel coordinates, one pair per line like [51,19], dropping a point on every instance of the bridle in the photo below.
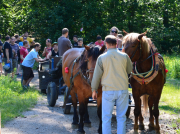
[138,47]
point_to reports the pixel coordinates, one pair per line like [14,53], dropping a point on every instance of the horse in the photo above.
[80,63]
[148,78]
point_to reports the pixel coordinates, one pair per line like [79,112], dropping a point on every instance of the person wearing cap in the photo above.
[7,52]
[114,31]
[111,71]
[54,51]
[99,41]
[48,48]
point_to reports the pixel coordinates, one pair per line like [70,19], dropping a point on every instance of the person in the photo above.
[63,43]
[54,52]
[1,55]
[114,31]
[99,41]
[23,54]
[28,64]
[15,49]
[7,52]
[75,39]
[30,40]
[48,48]
[18,41]
[112,69]
[80,42]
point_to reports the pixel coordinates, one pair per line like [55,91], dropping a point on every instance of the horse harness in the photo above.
[147,77]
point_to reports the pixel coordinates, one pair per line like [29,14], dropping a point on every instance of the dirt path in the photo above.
[43,119]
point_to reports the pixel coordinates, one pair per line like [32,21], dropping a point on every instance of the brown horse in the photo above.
[81,63]
[138,47]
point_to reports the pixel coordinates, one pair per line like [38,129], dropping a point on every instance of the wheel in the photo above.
[67,108]
[129,108]
[51,94]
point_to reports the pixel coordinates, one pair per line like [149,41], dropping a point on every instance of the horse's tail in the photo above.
[145,103]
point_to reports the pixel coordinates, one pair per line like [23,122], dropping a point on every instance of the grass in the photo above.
[170,95]
[14,100]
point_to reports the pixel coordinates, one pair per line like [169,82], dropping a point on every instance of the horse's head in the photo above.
[89,58]
[134,44]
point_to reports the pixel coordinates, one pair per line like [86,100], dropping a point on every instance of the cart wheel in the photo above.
[129,108]
[67,108]
[51,94]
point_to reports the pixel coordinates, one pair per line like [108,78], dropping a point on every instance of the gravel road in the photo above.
[43,119]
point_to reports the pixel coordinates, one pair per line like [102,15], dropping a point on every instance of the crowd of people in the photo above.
[22,51]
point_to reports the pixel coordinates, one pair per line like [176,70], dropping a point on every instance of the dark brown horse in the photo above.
[81,63]
[138,47]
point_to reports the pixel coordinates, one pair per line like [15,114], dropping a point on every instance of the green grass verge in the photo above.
[170,97]
[14,100]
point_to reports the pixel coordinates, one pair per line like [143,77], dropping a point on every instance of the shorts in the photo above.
[27,73]
[5,62]
[14,63]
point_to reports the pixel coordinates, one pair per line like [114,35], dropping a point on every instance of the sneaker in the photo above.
[18,74]
[25,87]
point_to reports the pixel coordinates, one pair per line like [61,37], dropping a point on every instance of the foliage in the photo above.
[172,63]
[45,19]
[13,99]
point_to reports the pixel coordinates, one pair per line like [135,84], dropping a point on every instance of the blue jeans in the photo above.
[109,98]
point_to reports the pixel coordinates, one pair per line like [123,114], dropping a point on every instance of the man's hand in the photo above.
[8,61]
[94,95]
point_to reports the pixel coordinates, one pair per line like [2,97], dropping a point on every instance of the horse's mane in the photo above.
[132,37]
[94,51]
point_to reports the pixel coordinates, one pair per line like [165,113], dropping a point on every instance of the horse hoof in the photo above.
[87,124]
[99,131]
[141,127]
[151,127]
[157,132]
[135,132]
[74,126]
[80,131]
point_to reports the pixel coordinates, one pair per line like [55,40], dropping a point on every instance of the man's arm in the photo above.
[119,43]
[39,60]
[129,65]
[97,75]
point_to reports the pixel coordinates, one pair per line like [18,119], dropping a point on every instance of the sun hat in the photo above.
[54,44]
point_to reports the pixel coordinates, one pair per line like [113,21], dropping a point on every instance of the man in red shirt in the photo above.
[23,53]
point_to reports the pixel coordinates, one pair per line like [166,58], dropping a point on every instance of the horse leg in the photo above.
[151,118]
[156,114]
[136,112]
[141,124]
[86,115]
[75,116]
[82,110]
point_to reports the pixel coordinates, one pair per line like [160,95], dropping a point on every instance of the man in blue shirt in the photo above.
[28,64]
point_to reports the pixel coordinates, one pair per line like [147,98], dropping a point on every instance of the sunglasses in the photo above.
[113,31]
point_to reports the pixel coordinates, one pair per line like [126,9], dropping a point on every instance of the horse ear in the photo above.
[141,35]
[125,32]
[87,47]
[102,49]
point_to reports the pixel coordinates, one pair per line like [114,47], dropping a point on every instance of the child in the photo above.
[54,52]
[48,47]
[80,42]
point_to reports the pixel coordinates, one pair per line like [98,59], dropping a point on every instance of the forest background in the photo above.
[45,19]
